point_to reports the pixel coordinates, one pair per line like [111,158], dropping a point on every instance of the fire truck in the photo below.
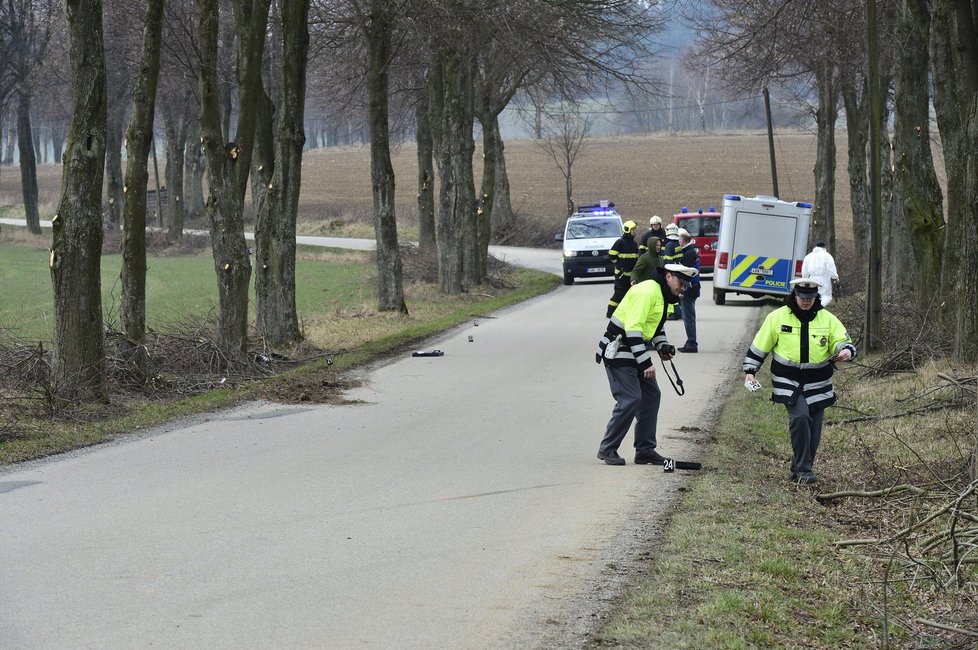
[704,227]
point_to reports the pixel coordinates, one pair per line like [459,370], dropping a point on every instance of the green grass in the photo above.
[747,559]
[176,286]
[335,294]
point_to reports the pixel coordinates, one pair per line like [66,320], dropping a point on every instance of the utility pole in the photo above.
[770,142]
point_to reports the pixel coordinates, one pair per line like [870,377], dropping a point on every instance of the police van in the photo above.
[762,244]
[588,236]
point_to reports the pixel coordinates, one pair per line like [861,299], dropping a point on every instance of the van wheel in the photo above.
[719,297]
[568,279]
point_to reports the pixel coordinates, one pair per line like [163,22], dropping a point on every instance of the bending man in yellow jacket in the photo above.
[634,332]
[804,340]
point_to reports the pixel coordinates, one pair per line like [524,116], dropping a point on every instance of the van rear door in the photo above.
[763,251]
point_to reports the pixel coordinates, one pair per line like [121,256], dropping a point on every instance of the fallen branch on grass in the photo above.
[905,487]
[946,627]
[936,406]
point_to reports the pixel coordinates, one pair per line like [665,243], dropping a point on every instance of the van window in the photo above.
[593,228]
[702,226]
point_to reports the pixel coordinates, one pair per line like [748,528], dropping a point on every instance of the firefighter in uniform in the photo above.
[623,256]
[656,231]
[672,254]
[804,340]
[634,330]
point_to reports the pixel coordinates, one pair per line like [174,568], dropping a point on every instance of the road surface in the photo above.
[456,502]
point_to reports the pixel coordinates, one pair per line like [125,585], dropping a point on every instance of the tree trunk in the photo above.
[390,289]
[175,126]
[426,176]
[922,201]
[38,145]
[277,314]
[898,269]
[28,163]
[139,138]
[58,140]
[79,345]
[955,68]
[823,212]
[857,134]
[484,215]
[194,172]
[451,129]
[569,186]
[503,219]
[113,171]
[8,152]
[262,165]
[444,92]
[228,163]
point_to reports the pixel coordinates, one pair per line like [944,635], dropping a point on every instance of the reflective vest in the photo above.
[639,317]
[801,355]
[623,256]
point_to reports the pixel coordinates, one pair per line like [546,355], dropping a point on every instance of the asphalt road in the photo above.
[457,503]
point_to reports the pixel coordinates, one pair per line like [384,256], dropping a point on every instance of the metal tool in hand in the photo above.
[677,385]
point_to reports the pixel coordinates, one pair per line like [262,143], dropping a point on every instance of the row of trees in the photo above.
[927,57]
[230,77]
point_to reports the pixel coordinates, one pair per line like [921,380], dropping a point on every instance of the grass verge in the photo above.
[341,321]
[748,560]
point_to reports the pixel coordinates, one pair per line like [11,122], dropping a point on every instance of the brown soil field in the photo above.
[645,175]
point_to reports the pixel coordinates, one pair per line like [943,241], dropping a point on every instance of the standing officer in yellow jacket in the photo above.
[805,339]
[636,326]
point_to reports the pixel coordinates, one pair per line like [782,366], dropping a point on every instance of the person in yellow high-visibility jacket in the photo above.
[635,330]
[804,340]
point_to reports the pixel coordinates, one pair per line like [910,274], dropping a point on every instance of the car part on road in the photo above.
[427,353]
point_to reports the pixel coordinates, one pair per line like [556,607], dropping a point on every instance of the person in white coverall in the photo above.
[819,265]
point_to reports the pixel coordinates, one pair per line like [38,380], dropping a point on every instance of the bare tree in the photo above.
[377,20]
[228,162]
[139,137]
[180,110]
[79,347]
[426,171]
[954,44]
[276,312]
[452,113]
[922,202]
[122,27]
[565,134]
[26,29]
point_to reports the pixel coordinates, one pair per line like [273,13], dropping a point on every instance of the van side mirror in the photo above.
[559,237]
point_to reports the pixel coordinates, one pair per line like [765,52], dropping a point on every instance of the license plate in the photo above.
[596,269]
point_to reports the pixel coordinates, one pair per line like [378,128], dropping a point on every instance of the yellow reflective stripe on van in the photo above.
[749,263]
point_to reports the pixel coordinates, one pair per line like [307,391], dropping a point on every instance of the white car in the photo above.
[588,236]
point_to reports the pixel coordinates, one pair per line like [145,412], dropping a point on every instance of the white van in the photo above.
[762,244]
[588,236]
